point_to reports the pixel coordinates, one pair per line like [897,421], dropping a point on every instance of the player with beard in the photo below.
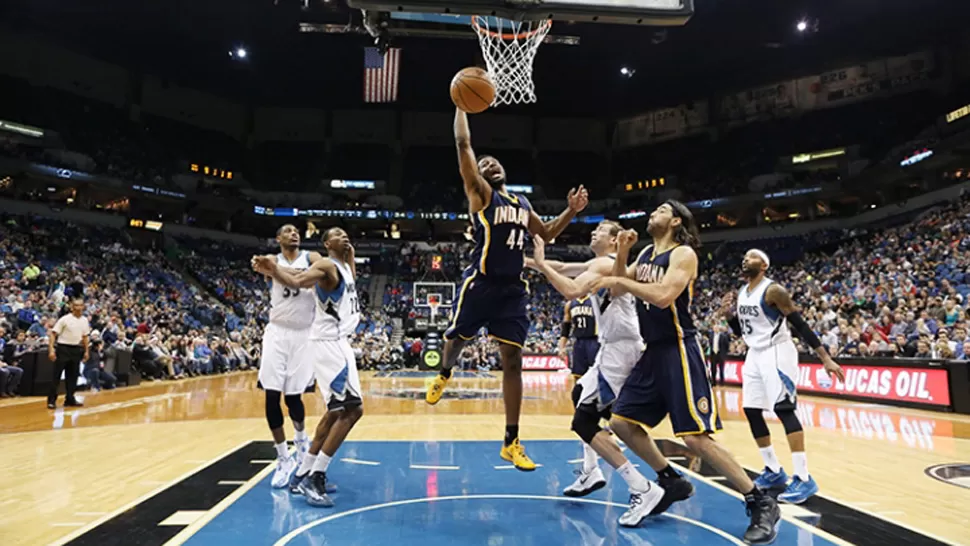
[284,371]
[493,292]
[671,376]
[763,312]
[333,284]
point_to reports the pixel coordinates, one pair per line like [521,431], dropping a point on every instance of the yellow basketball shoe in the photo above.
[515,454]
[436,389]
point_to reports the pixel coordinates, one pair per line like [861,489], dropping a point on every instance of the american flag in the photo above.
[380,74]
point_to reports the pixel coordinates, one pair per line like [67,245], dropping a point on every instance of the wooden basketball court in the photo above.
[67,474]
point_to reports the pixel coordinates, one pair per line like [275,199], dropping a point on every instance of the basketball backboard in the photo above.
[632,12]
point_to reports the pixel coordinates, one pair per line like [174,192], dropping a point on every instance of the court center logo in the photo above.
[957,474]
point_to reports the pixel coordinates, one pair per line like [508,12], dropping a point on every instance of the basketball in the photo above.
[472,90]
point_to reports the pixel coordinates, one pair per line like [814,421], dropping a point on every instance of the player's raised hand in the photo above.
[578,198]
[627,238]
[538,251]
[264,264]
[349,249]
[727,303]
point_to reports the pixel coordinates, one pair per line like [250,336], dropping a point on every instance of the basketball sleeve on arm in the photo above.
[804,330]
[735,324]
[779,298]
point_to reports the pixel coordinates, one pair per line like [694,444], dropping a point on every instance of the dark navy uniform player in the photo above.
[670,378]
[579,320]
[493,293]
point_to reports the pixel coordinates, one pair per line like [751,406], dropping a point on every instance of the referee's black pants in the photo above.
[68,362]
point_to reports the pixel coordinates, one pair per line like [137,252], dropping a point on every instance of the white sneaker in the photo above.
[586,483]
[641,504]
[284,467]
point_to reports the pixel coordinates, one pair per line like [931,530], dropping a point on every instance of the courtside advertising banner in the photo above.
[537,362]
[892,383]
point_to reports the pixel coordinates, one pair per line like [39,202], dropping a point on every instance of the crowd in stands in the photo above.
[136,300]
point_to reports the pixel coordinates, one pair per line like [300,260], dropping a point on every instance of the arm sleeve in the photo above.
[803,330]
[735,325]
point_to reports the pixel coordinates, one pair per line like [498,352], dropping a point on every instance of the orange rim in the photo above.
[509,36]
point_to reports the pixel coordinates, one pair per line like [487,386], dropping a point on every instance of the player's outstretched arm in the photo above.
[477,190]
[569,288]
[779,298]
[683,267]
[577,200]
[320,270]
[569,269]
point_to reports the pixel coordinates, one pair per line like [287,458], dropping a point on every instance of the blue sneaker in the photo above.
[295,481]
[771,480]
[798,491]
[314,489]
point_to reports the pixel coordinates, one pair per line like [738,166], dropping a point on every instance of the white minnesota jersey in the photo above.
[616,317]
[291,307]
[761,325]
[338,312]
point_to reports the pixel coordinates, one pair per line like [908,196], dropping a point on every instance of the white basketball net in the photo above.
[510,48]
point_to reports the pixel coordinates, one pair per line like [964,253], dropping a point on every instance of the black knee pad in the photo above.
[756,420]
[294,402]
[790,420]
[274,413]
[586,424]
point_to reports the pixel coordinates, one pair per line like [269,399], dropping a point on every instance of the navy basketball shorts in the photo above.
[670,379]
[497,304]
[584,355]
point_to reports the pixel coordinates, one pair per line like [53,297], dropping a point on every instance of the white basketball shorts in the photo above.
[283,364]
[769,378]
[614,361]
[335,367]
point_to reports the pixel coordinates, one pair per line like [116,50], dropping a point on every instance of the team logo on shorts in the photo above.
[703,405]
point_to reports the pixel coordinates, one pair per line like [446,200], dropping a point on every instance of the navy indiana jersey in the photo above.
[663,325]
[501,233]
[582,317]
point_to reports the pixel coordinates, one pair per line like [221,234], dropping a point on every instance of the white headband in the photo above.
[762,255]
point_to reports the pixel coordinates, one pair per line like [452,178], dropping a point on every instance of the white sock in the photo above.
[282,452]
[800,460]
[300,436]
[306,465]
[589,459]
[633,478]
[322,463]
[771,460]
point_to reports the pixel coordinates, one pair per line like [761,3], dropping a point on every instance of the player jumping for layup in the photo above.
[671,376]
[284,370]
[620,348]
[337,316]
[493,293]
[764,311]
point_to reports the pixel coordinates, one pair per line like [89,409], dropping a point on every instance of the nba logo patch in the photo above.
[822,379]
[703,405]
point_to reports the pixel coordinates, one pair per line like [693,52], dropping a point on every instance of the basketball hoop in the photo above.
[509,48]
